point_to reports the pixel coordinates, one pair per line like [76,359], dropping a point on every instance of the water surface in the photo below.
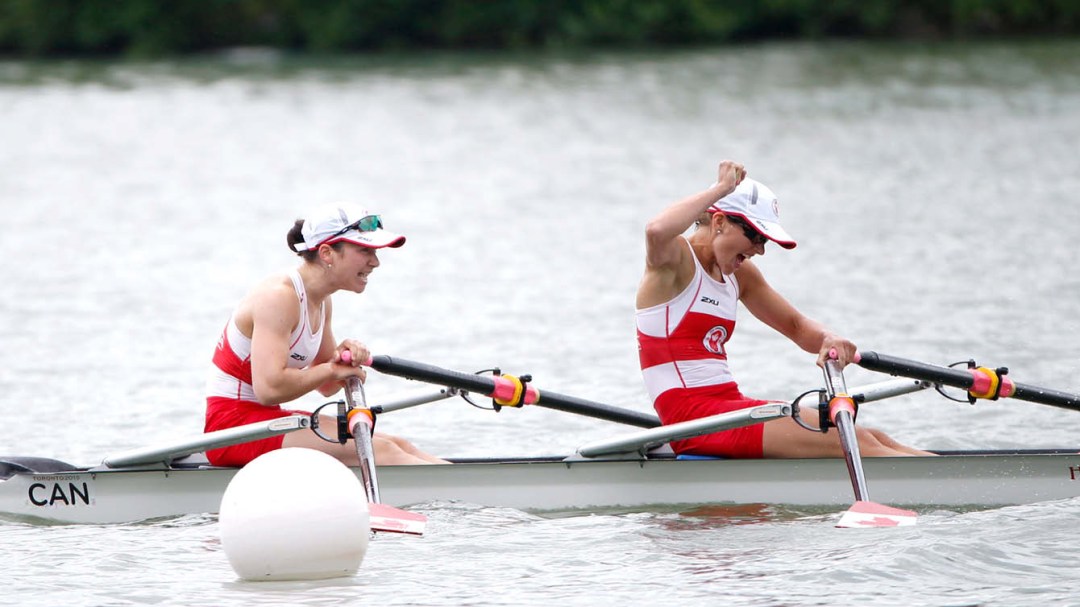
[933,191]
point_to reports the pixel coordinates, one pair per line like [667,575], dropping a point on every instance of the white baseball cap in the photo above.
[756,204]
[346,224]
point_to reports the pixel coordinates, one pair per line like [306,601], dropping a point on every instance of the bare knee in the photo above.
[389,450]
[874,443]
[397,442]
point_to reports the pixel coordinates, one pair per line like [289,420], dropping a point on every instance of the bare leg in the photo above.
[783,438]
[308,440]
[397,444]
[389,450]
[888,441]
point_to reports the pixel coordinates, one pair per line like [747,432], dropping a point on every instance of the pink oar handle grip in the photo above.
[346,357]
[833,354]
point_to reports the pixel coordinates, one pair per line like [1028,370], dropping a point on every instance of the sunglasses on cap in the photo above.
[368,223]
[756,238]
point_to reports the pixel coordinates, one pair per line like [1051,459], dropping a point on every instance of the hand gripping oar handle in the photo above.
[977,381]
[505,388]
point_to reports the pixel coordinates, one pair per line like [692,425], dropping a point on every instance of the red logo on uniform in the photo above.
[715,338]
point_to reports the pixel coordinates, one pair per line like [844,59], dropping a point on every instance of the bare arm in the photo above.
[328,352]
[275,311]
[667,263]
[771,308]
[662,232]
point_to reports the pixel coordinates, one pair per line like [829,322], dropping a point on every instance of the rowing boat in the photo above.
[958,479]
[630,470]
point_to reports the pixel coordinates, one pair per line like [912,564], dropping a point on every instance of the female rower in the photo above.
[686,305]
[279,344]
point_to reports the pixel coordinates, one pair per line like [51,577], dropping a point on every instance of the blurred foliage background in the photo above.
[148,28]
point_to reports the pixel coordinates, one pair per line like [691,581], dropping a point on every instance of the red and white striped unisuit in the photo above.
[230,374]
[681,342]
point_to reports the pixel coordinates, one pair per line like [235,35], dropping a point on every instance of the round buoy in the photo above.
[294,514]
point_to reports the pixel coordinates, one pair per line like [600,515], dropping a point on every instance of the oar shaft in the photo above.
[1046,396]
[580,406]
[962,378]
[842,408]
[481,384]
[490,385]
[842,415]
[894,365]
[845,425]
[360,426]
[365,452]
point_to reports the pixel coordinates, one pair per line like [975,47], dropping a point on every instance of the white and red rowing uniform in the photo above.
[682,350]
[230,397]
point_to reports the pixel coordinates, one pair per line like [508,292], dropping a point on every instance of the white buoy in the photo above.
[294,514]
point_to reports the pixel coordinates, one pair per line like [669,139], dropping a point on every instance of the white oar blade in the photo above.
[394,520]
[871,514]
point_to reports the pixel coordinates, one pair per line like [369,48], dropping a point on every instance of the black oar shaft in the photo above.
[1045,396]
[487,385]
[482,384]
[580,406]
[959,378]
[912,368]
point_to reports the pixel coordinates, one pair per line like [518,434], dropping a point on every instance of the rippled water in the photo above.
[486,556]
[933,190]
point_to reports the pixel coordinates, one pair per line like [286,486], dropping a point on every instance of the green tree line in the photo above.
[42,28]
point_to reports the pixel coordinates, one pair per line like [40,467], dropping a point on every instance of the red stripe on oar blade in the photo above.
[387,518]
[871,514]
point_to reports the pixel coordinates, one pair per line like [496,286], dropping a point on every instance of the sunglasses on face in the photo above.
[369,223]
[756,238]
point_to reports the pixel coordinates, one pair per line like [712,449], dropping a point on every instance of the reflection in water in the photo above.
[734,514]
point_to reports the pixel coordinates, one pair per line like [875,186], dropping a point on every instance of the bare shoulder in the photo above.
[750,278]
[271,289]
[662,282]
[272,301]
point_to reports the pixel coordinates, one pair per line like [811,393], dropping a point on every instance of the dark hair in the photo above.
[296,236]
[739,221]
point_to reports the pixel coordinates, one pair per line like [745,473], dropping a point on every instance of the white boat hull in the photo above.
[969,480]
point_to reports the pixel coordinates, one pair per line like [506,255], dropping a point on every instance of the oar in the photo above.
[864,513]
[979,382]
[381,516]
[509,390]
